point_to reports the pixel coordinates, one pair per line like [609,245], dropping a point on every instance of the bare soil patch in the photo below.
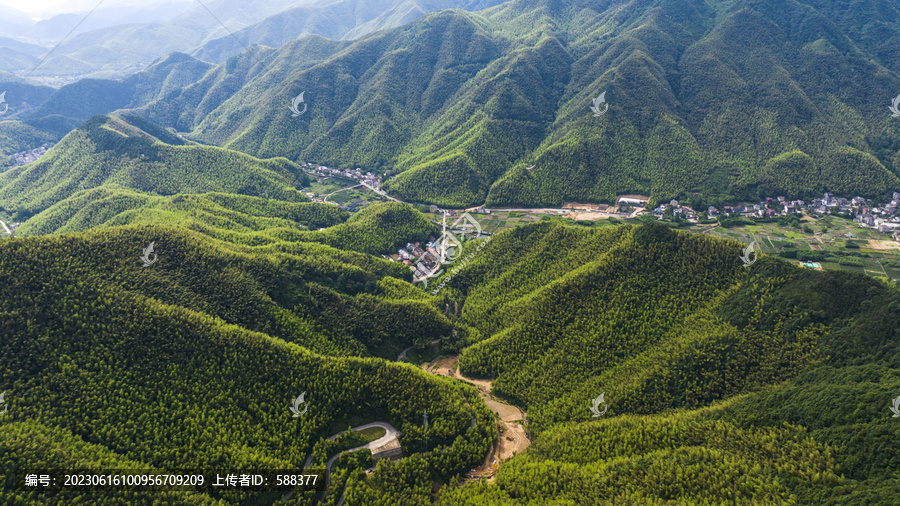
[511,438]
[883,245]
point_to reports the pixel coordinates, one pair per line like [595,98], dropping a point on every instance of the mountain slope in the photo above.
[134,152]
[345,19]
[171,386]
[771,384]
[89,97]
[655,318]
[704,98]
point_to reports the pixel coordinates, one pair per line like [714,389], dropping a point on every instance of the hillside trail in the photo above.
[511,440]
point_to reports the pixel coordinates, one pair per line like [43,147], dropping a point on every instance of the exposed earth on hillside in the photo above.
[511,440]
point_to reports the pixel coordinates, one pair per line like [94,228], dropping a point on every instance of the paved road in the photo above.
[8,231]
[382,193]
[390,434]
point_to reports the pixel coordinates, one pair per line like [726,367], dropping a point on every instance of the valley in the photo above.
[451,252]
[512,438]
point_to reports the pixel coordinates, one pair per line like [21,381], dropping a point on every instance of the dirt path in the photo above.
[325,198]
[511,440]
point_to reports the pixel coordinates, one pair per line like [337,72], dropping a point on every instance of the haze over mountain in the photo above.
[116,41]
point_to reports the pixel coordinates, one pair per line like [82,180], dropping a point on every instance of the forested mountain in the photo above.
[344,19]
[656,318]
[172,290]
[193,361]
[725,98]
[798,368]
[38,114]
[89,97]
[130,151]
[701,360]
[18,54]
[708,101]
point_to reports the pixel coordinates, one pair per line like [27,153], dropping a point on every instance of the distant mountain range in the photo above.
[702,101]
[119,40]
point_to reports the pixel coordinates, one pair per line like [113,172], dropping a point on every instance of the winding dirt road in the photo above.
[511,439]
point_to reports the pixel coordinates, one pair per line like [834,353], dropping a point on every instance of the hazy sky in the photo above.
[55,6]
[36,7]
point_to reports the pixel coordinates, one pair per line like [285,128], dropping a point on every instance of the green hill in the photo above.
[193,361]
[656,318]
[89,97]
[721,381]
[704,98]
[216,214]
[133,152]
[708,101]
[768,385]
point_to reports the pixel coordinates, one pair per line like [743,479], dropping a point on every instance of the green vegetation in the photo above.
[654,460]
[778,348]
[767,384]
[495,105]
[112,149]
[364,231]
[193,362]
[372,433]
[690,348]
[238,218]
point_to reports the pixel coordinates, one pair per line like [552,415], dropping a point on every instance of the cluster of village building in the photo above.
[357,174]
[882,217]
[30,155]
[424,260]
[678,210]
